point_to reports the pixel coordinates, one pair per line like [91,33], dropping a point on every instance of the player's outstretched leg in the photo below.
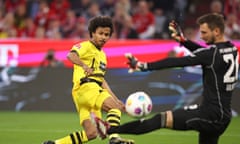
[101,125]
[140,126]
[113,118]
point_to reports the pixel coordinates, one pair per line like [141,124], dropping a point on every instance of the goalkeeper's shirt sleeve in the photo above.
[190,45]
[202,57]
[173,62]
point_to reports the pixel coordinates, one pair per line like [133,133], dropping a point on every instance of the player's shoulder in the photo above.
[203,49]
[205,52]
[226,44]
[81,44]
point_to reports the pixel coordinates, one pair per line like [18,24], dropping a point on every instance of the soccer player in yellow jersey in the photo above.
[91,93]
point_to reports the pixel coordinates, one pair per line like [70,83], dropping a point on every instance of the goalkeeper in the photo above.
[219,63]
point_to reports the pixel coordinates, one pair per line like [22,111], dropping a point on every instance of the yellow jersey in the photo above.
[91,56]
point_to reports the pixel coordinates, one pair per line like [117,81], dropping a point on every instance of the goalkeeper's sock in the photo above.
[141,126]
[74,138]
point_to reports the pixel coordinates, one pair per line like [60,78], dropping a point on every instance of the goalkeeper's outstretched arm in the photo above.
[135,65]
[172,62]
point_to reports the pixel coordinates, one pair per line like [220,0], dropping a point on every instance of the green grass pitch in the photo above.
[36,127]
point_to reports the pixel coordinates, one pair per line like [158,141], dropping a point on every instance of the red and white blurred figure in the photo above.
[144,21]
[68,25]
[81,30]
[42,15]
[11,5]
[232,25]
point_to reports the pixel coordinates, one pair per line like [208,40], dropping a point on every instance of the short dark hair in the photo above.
[100,21]
[214,20]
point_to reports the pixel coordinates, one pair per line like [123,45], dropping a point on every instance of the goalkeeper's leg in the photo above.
[142,126]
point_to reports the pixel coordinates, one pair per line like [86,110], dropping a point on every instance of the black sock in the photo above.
[140,126]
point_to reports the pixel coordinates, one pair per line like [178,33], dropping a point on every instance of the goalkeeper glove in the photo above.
[176,32]
[134,64]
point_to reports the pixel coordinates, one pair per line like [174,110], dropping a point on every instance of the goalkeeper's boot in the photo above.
[102,127]
[119,140]
[48,142]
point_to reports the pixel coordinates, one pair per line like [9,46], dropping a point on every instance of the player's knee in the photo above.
[110,103]
[90,129]
[91,134]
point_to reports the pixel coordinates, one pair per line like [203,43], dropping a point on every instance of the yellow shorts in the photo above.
[89,98]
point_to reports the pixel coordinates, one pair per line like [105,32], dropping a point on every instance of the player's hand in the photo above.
[87,70]
[134,64]
[176,31]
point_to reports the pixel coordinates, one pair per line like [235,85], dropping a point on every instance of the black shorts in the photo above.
[194,119]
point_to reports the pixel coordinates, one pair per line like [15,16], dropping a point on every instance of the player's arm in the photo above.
[107,87]
[190,45]
[177,34]
[172,62]
[136,65]
[74,58]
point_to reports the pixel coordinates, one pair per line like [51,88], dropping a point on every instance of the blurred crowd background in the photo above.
[133,19]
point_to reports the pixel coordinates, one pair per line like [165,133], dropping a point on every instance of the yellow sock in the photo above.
[74,138]
[113,118]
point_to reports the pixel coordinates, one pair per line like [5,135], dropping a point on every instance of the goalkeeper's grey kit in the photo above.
[220,71]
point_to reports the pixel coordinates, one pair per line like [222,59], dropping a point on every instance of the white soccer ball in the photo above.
[138,104]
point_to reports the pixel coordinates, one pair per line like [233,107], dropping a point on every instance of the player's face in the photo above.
[207,34]
[101,36]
